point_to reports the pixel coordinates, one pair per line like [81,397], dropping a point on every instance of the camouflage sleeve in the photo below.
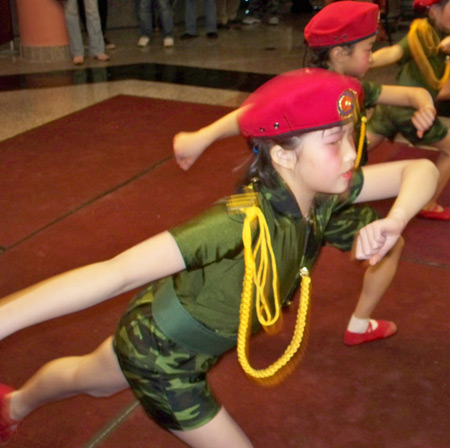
[211,236]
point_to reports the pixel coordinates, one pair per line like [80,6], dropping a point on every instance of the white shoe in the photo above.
[274,21]
[251,20]
[143,41]
[168,42]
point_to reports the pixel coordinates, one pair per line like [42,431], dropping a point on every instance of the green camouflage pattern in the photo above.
[169,381]
[345,223]
[390,120]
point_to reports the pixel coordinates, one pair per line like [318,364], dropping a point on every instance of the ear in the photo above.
[432,12]
[337,54]
[282,157]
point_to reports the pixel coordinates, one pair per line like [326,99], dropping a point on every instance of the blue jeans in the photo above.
[190,16]
[94,29]
[146,18]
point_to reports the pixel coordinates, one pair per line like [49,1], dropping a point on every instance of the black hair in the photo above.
[320,56]
[261,166]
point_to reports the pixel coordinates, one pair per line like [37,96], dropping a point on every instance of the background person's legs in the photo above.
[145,17]
[210,16]
[73,28]
[166,12]
[94,29]
[190,18]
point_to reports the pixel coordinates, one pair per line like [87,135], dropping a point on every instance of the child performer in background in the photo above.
[424,62]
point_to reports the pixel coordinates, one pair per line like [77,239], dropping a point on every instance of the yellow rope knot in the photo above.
[256,280]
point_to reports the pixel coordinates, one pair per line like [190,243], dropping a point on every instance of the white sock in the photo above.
[357,325]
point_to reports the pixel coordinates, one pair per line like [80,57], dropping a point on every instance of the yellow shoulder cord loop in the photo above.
[267,316]
[362,137]
[430,39]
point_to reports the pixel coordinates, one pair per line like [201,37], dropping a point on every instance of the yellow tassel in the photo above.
[268,315]
[430,39]
[362,136]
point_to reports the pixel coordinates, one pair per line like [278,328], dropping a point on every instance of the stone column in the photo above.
[42,29]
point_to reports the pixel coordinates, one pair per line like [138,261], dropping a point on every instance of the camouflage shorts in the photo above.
[390,120]
[169,381]
[346,223]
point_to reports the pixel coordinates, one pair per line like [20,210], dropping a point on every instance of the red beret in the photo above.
[423,5]
[342,23]
[299,101]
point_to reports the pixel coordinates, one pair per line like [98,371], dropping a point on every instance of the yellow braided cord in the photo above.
[362,136]
[430,39]
[266,316]
[263,248]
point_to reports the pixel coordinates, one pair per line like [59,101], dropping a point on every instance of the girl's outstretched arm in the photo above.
[416,97]
[413,182]
[386,56]
[189,146]
[89,285]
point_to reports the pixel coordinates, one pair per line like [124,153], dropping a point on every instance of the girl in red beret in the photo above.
[424,62]
[340,38]
[209,276]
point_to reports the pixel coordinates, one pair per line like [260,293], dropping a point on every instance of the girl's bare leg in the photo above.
[443,165]
[221,432]
[97,374]
[376,281]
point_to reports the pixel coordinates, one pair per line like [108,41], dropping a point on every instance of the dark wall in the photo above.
[6,27]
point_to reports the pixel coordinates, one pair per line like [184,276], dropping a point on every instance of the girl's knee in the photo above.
[98,374]
[97,384]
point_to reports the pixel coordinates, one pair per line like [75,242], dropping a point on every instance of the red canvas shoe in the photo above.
[8,426]
[384,330]
[437,212]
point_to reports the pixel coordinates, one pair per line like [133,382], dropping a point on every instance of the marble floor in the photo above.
[213,71]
